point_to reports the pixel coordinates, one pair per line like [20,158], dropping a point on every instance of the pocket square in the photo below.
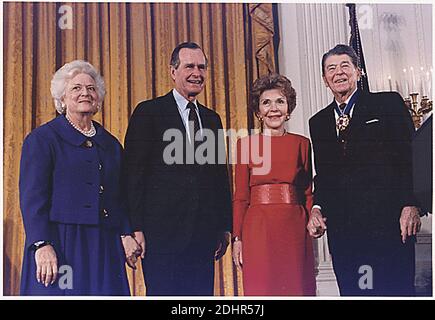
[372,121]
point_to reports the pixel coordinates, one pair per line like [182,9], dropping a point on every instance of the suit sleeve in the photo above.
[318,179]
[35,185]
[126,225]
[223,185]
[401,131]
[125,219]
[242,192]
[138,143]
[308,181]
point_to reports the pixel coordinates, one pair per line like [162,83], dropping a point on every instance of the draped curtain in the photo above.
[130,43]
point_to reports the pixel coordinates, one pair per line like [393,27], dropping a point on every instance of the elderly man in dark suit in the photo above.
[363,184]
[180,205]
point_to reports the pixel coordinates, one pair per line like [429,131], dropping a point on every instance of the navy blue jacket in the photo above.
[68,178]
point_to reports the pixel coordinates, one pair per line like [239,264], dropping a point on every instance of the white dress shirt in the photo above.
[184,111]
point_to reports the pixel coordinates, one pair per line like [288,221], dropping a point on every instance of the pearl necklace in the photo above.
[89,133]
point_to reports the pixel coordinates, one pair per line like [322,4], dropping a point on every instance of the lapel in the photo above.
[62,127]
[170,116]
[205,117]
[102,137]
[174,119]
[361,114]
[330,132]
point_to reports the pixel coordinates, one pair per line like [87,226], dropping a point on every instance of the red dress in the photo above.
[276,247]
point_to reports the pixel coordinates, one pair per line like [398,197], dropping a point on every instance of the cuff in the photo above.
[39,244]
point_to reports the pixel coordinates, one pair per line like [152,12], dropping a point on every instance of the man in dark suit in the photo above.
[363,184]
[180,207]
[422,162]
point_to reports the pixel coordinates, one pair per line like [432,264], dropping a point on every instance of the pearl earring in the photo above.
[63,108]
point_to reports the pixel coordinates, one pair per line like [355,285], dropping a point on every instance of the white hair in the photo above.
[67,72]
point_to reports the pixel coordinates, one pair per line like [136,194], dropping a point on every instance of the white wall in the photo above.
[397,37]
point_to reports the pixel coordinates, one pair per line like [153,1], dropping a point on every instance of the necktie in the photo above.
[342,134]
[193,118]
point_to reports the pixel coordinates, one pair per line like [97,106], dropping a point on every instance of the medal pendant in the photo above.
[343,122]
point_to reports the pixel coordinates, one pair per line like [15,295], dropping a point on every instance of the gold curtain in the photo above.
[130,43]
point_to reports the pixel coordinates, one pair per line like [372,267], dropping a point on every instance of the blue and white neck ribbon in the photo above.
[344,115]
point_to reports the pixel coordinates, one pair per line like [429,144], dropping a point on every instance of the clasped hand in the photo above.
[316,225]
[47,264]
[132,249]
[410,223]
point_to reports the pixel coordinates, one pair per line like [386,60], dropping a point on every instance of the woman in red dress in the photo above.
[273,198]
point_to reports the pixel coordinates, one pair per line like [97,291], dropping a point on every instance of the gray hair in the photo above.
[175,56]
[338,50]
[66,73]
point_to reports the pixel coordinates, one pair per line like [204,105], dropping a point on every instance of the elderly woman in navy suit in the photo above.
[77,231]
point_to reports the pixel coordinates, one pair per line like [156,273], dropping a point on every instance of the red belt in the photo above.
[274,193]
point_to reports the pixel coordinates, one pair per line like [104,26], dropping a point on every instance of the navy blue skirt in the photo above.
[91,261]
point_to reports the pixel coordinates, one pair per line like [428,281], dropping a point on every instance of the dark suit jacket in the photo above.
[60,180]
[362,192]
[172,203]
[422,163]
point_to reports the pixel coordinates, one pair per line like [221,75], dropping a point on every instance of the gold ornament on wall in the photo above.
[418,112]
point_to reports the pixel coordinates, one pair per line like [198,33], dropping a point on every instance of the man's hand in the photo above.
[132,250]
[316,225]
[222,246]
[46,265]
[410,222]
[140,239]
